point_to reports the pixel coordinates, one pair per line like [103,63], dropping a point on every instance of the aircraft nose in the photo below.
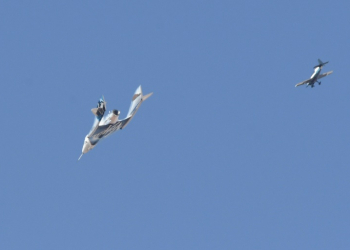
[86,146]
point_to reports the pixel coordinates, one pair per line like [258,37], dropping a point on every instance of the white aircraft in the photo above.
[104,126]
[316,75]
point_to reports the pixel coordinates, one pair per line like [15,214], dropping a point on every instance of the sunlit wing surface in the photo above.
[324,74]
[304,82]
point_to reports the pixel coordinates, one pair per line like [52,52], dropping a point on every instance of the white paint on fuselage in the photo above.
[87,146]
[314,76]
[316,73]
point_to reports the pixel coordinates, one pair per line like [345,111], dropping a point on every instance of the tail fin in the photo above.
[100,109]
[136,101]
[320,63]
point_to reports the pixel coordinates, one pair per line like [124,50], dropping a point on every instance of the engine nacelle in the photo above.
[111,118]
[114,116]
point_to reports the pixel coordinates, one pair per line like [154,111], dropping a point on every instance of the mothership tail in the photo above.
[136,102]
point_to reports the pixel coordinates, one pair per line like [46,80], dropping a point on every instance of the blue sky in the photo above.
[226,154]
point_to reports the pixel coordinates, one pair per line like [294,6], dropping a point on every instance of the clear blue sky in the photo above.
[226,154]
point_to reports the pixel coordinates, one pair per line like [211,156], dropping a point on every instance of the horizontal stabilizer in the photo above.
[94,111]
[320,63]
[146,96]
[98,112]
